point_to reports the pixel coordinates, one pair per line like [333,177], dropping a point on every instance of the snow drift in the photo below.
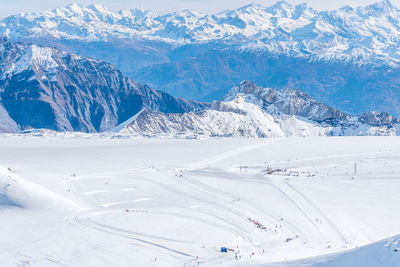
[17,191]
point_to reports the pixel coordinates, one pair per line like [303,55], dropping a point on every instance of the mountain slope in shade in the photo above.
[344,56]
[346,86]
[235,118]
[6,123]
[288,102]
[294,102]
[252,111]
[42,87]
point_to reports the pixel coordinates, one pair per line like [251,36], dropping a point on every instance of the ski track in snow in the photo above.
[221,195]
[87,217]
[112,204]
[328,232]
[316,211]
[125,198]
[107,192]
[229,154]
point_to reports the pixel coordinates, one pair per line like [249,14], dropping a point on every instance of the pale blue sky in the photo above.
[8,7]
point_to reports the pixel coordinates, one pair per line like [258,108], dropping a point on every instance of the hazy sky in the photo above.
[8,7]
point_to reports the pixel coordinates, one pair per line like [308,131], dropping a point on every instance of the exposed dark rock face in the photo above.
[287,102]
[252,111]
[346,58]
[43,87]
[378,119]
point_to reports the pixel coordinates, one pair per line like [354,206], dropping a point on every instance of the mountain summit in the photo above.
[42,87]
[347,58]
[366,34]
[253,111]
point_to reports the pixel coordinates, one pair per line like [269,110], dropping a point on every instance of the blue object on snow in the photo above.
[224,249]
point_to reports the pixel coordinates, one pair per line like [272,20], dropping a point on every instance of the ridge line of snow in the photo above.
[123,125]
[28,194]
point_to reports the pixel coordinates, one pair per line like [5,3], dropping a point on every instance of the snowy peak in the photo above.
[182,19]
[378,119]
[18,58]
[71,10]
[245,112]
[236,118]
[245,87]
[295,102]
[135,13]
[365,35]
[42,87]
[75,8]
[99,9]
[384,6]
[287,102]
[90,13]
[283,9]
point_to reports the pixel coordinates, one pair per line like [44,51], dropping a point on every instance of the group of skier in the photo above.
[258,224]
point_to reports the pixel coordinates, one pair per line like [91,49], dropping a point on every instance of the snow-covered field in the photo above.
[102,201]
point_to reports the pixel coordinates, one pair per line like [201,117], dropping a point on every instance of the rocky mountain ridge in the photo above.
[335,56]
[42,87]
[367,34]
[252,111]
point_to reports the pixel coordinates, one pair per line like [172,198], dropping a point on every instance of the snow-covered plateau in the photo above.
[119,200]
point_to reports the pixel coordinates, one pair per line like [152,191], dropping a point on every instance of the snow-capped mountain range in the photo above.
[252,111]
[345,58]
[339,57]
[42,87]
[286,102]
[367,34]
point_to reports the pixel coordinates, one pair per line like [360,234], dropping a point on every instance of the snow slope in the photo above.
[236,118]
[252,111]
[383,253]
[27,194]
[175,202]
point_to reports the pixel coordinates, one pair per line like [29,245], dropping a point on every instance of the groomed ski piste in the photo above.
[103,200]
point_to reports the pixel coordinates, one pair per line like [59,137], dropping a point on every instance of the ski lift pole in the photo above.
[355,169]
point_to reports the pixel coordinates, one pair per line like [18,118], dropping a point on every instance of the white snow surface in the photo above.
[242,115]
[31,57]
[366,34]
[27,194]
[245,120]
[112,200]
